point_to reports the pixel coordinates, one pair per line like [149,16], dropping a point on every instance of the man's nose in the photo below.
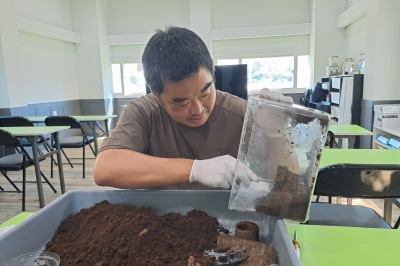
[197,108]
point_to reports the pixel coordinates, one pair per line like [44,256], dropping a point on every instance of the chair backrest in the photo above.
[8,139]
[62,121]
[15,121]
[330,139]
[359,181]
[306,97]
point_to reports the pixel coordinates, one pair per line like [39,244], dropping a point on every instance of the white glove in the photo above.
[270,120]
[275,96]
[219,171]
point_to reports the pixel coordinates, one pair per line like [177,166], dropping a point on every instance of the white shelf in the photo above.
[383,145]
[393,131]
[387,133]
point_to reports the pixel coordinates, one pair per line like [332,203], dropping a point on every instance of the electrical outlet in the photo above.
[54,113]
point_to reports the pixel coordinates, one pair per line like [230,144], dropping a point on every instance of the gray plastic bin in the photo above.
[37,230]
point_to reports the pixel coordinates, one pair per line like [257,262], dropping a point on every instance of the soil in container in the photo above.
[119,234]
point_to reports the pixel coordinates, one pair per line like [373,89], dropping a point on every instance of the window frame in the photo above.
[295,89]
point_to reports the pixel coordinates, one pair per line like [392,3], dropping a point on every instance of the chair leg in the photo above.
[90,145]
[67,158]
[11,182]
[47,181]
[330,199]
[23,188]
[48,149]
[51,167]
[83,164]
[397,224]
[317,200]
[1,188]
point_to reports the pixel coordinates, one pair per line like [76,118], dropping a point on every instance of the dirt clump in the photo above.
[118,234]
[289,198]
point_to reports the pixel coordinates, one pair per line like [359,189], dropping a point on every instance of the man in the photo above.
[185,134]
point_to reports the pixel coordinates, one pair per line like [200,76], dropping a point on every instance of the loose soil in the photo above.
[119,234]
[289,198]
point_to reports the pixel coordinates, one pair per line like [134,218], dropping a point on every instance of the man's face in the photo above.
[190,101]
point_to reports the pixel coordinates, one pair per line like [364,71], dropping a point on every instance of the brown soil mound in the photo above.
[118,234]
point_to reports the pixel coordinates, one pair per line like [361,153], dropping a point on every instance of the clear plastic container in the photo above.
[282,145]
[45,258]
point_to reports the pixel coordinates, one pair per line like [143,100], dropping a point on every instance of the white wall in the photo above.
[49,69]
[250,13]
[382,51]
[105,50]
[131,17]
[15,83]
[133,52]
[4,99]
[325,39]
[351,2]
[89,64]
[53,12]
[38,69]
[260,46]
[137,16]
[356,39]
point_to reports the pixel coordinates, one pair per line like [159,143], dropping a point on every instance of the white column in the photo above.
[382,53]
[325,39]
[12,85]
[93,55]
[200,20]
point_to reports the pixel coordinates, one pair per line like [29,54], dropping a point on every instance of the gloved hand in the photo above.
[275,96]
[271,120]
[219,171]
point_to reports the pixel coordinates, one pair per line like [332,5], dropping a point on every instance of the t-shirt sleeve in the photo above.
[132,130]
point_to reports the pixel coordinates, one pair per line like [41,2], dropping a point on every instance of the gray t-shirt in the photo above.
[145,127]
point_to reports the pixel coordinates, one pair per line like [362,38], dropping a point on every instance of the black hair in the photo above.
[173,55]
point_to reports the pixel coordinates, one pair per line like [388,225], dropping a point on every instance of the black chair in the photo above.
[354,181]
[397,203]
[305,100]
[332,144]
[17,162]
[72,141]
[20,121]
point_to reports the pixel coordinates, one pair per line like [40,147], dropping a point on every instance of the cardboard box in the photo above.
[387,116]
[387,109]
[386,120]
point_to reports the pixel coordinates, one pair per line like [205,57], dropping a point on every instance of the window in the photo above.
[269,72]
[128,79]
[224,62]
[289,72]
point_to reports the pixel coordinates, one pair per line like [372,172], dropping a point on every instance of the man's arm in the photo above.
[128,169]
[122,168]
